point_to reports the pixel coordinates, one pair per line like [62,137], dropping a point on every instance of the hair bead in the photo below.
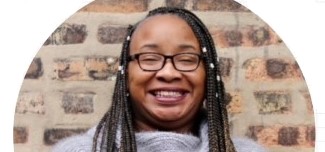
[211,65]
[120,67]
[218,78]
[204,49]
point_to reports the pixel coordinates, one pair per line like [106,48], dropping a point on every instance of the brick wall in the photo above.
[68,85]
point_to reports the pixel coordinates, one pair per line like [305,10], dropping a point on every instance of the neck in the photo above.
[185,127]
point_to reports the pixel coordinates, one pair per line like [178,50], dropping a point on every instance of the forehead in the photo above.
[163,18]
[165,31]
[164,22]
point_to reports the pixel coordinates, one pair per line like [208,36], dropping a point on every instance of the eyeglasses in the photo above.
[185,62]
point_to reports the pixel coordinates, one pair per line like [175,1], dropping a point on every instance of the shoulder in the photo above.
[77,143]
[247,145]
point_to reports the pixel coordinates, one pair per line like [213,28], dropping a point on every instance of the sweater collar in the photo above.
[170,141]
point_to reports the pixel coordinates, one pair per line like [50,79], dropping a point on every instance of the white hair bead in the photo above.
[218,78]
[211,65]
[120,67]
[204,49]
[128,38]
[217,95]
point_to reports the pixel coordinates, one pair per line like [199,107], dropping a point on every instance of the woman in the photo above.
[168,95]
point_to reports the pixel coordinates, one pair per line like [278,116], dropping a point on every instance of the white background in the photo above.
[25,25]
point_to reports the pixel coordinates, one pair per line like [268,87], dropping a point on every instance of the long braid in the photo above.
[118,114]
[121,110]
[128,136]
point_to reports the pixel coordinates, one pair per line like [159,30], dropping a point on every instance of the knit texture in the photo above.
[158,141]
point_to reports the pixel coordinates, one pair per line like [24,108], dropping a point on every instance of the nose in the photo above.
[168,73]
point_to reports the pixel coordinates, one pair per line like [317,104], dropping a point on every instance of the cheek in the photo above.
[200,81]
[200,75]
[137,79]
[133,76]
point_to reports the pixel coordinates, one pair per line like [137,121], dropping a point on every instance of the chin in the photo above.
[169,115]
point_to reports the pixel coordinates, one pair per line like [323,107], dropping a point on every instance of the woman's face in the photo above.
[166,99]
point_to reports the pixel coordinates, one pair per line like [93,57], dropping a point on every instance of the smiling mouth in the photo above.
[168,94]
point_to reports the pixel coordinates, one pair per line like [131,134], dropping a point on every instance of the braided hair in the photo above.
[119,116]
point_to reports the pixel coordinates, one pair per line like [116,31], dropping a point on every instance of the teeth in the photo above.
[168,94]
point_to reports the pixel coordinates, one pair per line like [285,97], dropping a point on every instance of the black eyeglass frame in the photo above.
[171,57]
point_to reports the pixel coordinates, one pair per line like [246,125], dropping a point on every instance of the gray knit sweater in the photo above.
[158,141]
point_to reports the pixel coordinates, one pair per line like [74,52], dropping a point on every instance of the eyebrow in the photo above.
[187,46]
[149,46]
[181,46]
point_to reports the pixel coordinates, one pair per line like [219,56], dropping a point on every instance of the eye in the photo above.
[186,58]
[150,58]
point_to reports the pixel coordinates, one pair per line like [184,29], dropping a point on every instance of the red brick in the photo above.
[117,6]
[52,136]
[279,68]
[234,102]
[306,136]
[176,3]
[225,66]
[74,103]
[248,36]
[110,34]
[259,69]
[273,102]
[218,5]
[264,135]
[20,135]
[288,136]
[276,68]
[259,37]
[255,69]
[87,68]
[309,103]
[102,68]
[234,38]
[285,136]
[30,102]
[68,34]
[35,69]
[310,136]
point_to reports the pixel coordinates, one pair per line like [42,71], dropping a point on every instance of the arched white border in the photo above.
[24,27]
[26,24]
